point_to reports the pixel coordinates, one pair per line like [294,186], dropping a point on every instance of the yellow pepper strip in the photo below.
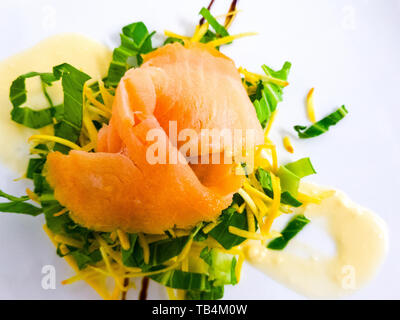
[181,233]
[108,98]
[123,239]
[248,200]
[260,160]
[274,154]
[310,106]
[171,293]
[110,269]
[91,278]
[227,39]
[155,238]
[68,241]
[83,275]
[250,221]
[241,208]
[43,137]
[97,111]
[33,196]
[185,265]
[200,32]
[90,128]
[92,99]
[113,236]
[257,193]
[63,249]
[180,294]
[116,293]
[237,252]
[89,146]
[270,123]
[100,270]
[60,213]
[288,144]
[274,210]
[210,226]
[37,151]
[143,243]
[255,77]
[262,208]
[302,197]
[171,34]
[246,234]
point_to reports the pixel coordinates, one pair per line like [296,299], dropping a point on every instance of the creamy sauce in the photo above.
[79,51]
[361,244]
[359,234]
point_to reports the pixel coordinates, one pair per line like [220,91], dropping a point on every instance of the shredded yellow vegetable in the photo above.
[123,238]
[42,137]
[110,269]
[33,196]
[274,154]
[171,34]
[211,226]
[108,98]
[143,243]
[246,234]
[68,241]
[242,207]
[88,94]
[304,198]
[171,293]
[255,77]
[248,200]
[250,221]
[200,32]
[274,211]
[89,146]
[256,193]
[93,279]
[60,213]
[270,123]
[227,39]
[288,144]
[310,106]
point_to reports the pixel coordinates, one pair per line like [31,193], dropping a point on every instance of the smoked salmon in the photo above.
[192,87]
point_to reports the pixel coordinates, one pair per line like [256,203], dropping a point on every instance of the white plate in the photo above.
[347,49]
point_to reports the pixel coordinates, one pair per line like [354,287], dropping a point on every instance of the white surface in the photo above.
[349,50]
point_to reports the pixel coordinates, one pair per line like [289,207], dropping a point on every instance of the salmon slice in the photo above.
[202,89]
[118,187]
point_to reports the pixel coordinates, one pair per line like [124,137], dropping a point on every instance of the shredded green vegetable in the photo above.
[70,125]
[160,252]
[18,205]
[229,217]
[27,116]
[268,95]
[135,40]
[290,175]
[222,266]
[291,230]
[321,126]
[218,28]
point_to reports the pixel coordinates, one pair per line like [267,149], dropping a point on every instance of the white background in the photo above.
[347,49]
